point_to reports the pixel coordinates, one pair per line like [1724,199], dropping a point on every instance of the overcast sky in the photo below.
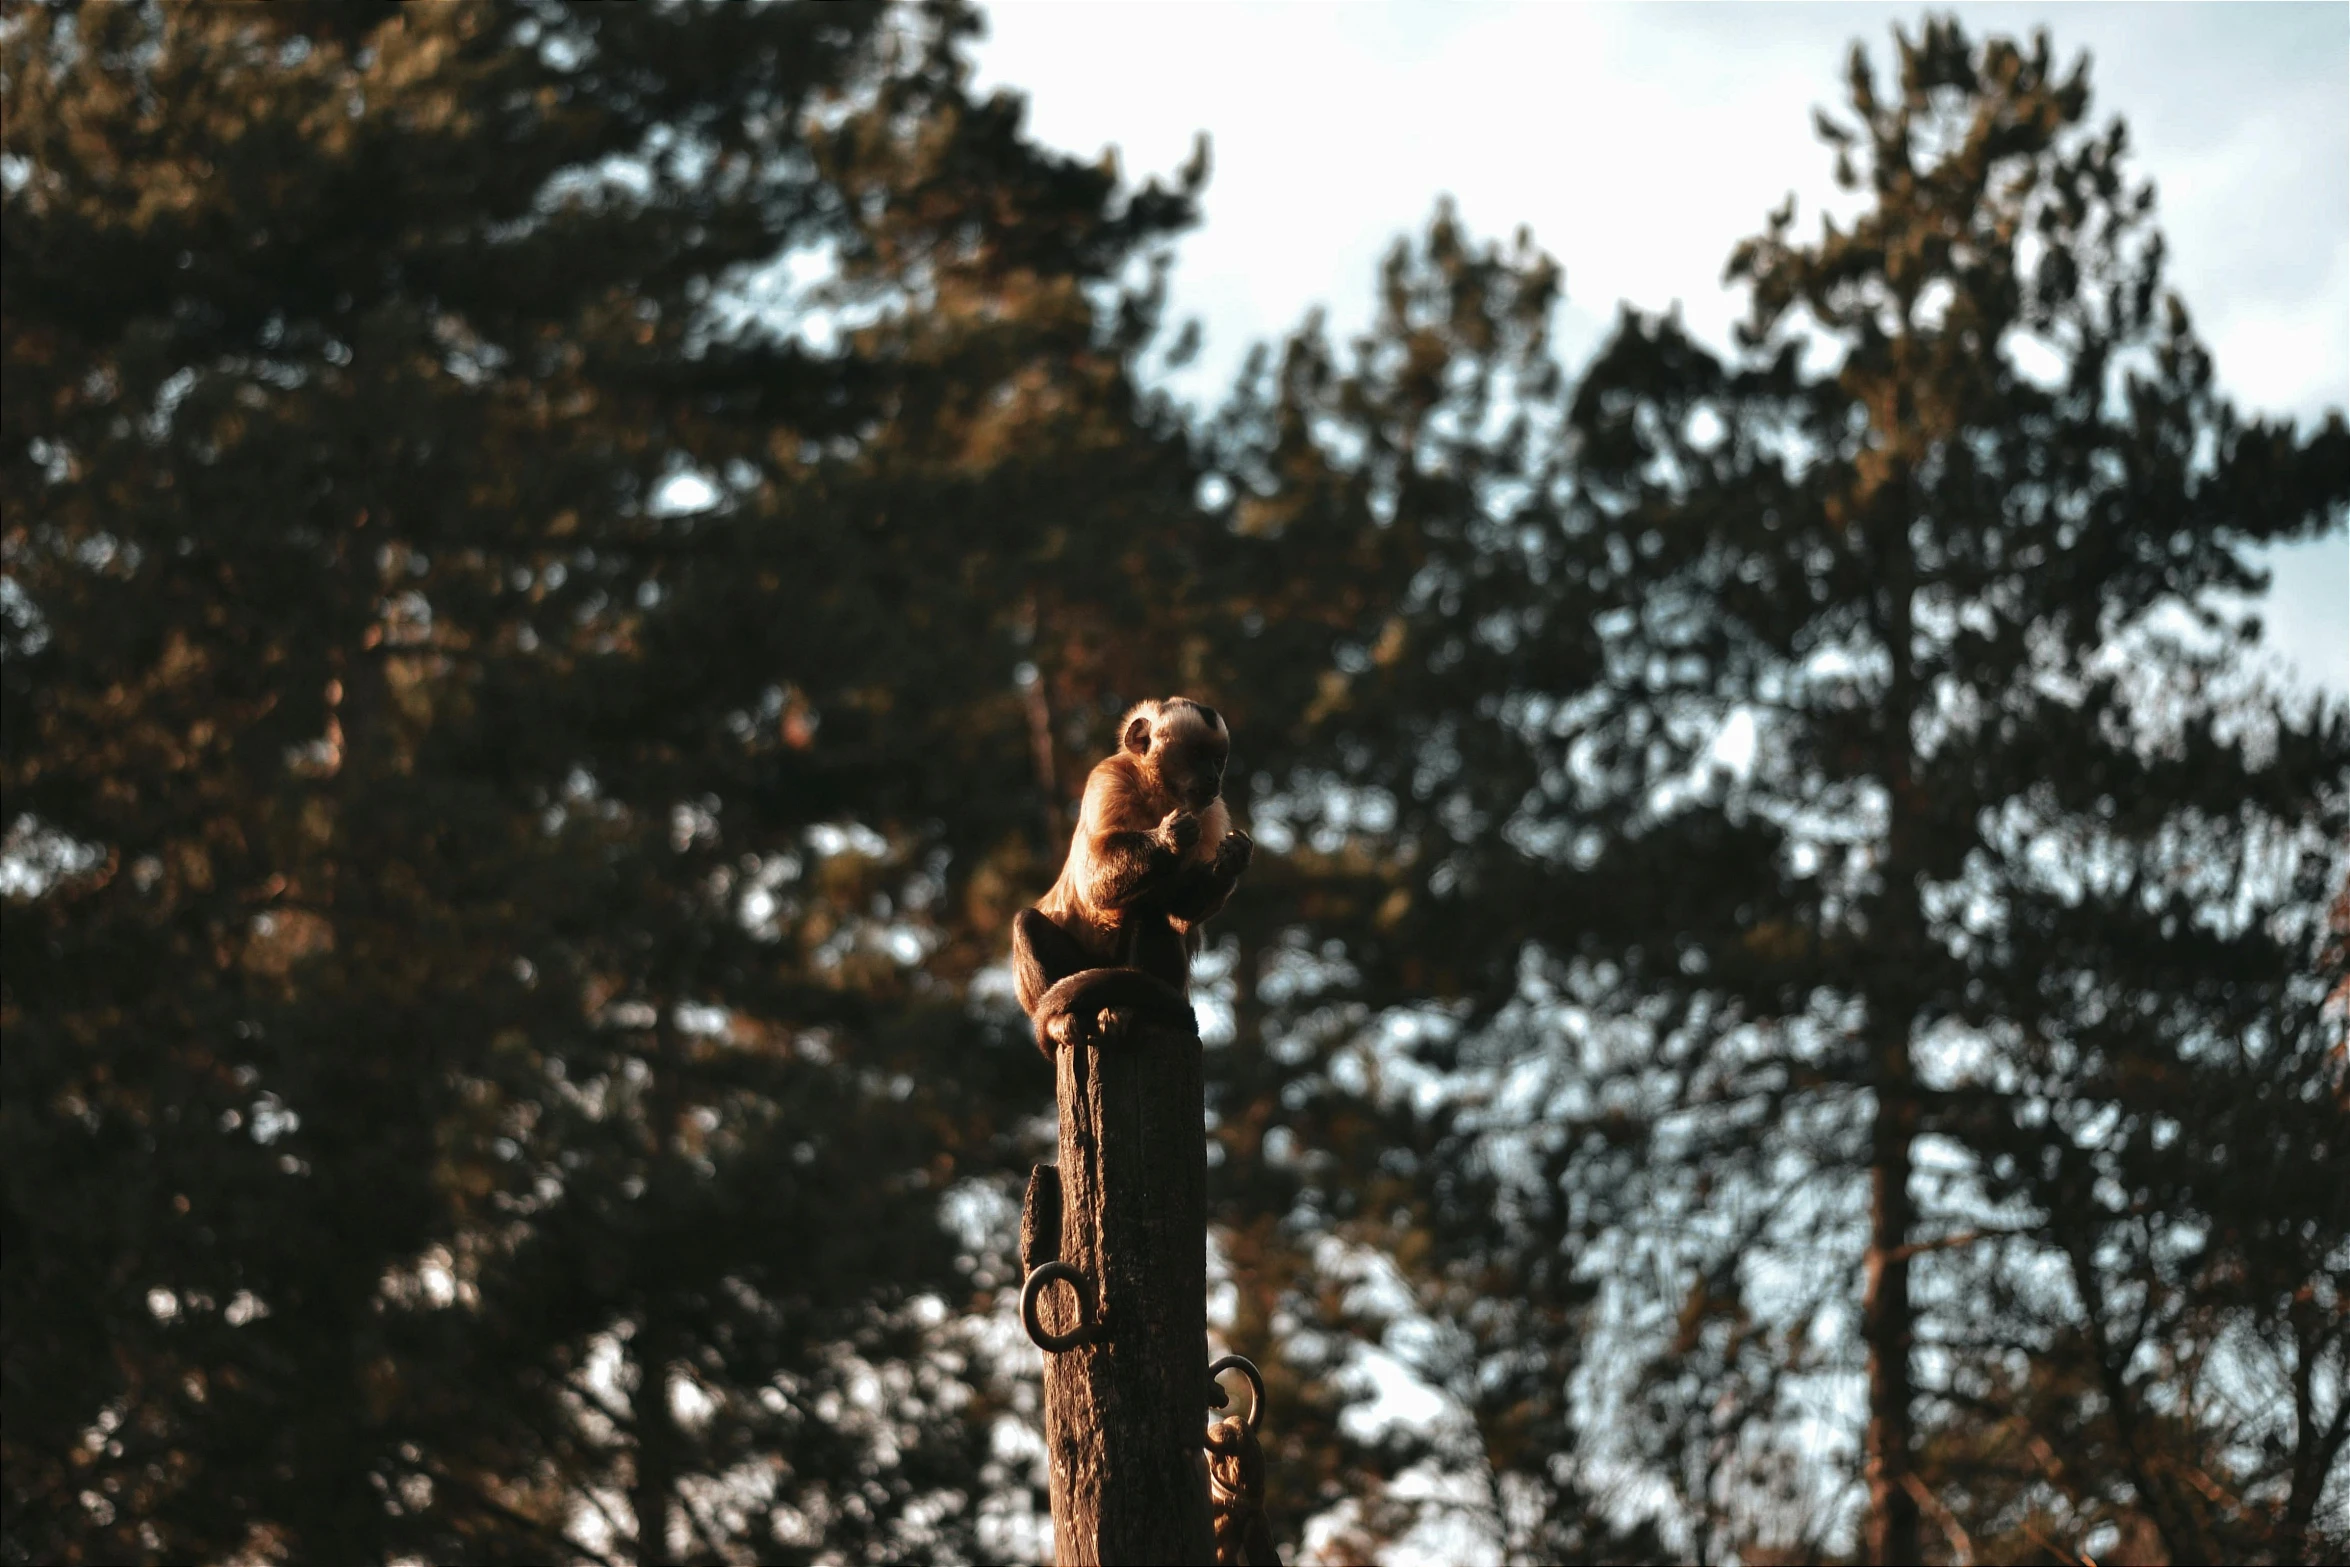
[1639,143]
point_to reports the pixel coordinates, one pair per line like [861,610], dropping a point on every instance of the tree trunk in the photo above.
[1886,1317]
[656,1446]
[1887,1322]
[1125,1413]
[2317,1443]
[655,1478]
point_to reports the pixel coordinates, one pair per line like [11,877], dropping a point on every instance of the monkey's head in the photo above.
[1182,744]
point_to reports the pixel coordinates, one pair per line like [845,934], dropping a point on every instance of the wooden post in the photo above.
[1125,1408]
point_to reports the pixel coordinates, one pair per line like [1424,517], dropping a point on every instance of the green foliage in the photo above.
[2047,874]
[484,1018]
[565,566]
[1786,843]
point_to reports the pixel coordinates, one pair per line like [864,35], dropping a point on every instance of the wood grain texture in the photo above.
[1124,1416]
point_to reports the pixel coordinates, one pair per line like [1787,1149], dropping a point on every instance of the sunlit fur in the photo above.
[1153,856]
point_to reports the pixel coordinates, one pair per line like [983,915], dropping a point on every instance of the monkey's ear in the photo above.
[1138,735]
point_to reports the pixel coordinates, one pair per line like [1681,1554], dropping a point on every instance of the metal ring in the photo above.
[1032,1295]
[1256,1386]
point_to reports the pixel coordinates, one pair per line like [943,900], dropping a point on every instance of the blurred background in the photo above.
[1786,627]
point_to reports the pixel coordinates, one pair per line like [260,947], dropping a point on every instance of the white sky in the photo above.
[1334,128]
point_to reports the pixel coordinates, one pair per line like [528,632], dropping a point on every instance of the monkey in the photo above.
[1153,858]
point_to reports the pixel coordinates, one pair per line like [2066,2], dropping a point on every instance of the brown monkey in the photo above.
[1154,857]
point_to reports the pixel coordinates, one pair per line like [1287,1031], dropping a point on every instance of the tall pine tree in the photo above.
[515,522]
[563,567]
[2045,870]
[1780,842]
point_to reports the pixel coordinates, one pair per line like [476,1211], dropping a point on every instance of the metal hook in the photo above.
[1032,1296]
[1256,1387]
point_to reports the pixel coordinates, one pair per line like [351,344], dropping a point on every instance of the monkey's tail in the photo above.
[1092,990]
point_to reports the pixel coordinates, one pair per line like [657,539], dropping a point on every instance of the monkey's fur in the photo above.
[1153,858]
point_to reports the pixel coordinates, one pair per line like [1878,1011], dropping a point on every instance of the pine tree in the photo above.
[563,568]
[2041,871]
[515,522]
[1766,839]
[1392,506]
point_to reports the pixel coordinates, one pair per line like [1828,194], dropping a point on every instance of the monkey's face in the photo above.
[1183,744]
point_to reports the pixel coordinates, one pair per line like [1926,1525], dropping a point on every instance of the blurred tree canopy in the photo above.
[564,567]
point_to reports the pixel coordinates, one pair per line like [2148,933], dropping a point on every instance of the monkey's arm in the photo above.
[1129,856]
[1129,867]
[1200,891]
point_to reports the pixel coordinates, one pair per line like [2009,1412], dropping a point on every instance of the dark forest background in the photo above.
[563,569]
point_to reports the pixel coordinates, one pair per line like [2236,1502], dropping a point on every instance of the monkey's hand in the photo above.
[1178,832]
[1200,892]
[1233,855]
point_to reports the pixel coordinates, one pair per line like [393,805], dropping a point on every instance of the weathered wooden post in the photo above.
[1115,1241]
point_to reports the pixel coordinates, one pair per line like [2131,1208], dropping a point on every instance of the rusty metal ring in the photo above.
[1256,1386]
[1032,1295]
